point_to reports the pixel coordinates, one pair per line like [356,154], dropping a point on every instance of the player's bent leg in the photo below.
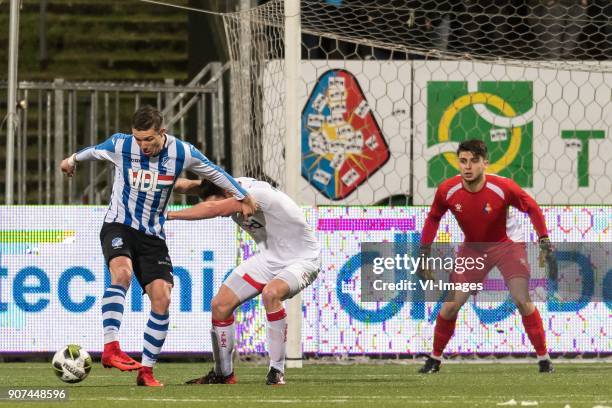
[223,335]
[120,268]
[444,330]
[532,321]
[159,292]
[231,294]
[112,315]
[224,303]
[273,295]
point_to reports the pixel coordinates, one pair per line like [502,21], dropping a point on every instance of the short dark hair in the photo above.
[147,117]
[475,146]
[208,189]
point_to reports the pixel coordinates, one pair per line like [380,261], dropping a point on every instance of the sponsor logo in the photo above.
[496,112]
[117,243]
[342,144]
[149,180]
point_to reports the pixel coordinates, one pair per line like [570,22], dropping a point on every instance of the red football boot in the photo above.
[114,357]
[146,378]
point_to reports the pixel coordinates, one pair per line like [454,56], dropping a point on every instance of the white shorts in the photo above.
[251,276]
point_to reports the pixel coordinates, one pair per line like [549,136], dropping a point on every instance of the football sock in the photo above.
[443,332]
[277,339]
[222,336]
[154,337]
[112,311]
[535,331]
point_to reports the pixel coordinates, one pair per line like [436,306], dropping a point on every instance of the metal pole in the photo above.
[93,138]
[18,146]
[48,152]
[39,157]
[24,147]
[220,111]
[11,114]
[169,108]
[58,147]
[293,160]
[70,139]
[215,108]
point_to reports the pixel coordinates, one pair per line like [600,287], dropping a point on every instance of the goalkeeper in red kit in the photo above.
[480,203]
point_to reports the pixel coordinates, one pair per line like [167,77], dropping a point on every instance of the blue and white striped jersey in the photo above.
[143,184]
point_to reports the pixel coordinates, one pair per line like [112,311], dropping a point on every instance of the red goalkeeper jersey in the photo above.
[483,215]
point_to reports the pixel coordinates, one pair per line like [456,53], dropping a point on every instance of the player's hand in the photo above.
[68,165]
[248,206]
[548,258]
[423,270]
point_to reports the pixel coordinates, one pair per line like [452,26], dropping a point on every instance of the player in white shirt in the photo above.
[288,261]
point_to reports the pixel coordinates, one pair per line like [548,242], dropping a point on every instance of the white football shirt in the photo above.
[278,227]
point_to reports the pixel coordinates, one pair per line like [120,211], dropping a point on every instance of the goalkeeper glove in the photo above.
[548,258]
[423,270]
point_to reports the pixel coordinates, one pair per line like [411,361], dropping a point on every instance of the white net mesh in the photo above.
[389,88]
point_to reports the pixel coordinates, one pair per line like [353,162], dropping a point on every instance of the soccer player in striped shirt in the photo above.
[480,204]
[147,165]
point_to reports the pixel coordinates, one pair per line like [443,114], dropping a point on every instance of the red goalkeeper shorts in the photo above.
[509,257]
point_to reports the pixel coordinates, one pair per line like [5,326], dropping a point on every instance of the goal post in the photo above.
[293,155]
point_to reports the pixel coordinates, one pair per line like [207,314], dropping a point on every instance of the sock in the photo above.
[277,339]
[112,312]
[443,332]
[222,336]
[154,337]
[535,331]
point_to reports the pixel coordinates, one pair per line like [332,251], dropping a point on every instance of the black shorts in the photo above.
[149,254]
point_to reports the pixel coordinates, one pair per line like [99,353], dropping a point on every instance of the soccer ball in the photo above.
[72,364]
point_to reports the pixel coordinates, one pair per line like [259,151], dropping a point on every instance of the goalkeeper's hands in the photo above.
[423,270]
[548,258]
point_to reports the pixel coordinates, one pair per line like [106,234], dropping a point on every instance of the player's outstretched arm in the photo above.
[522,201]
[103,151]
[206,210]
[430,229]
[199,164]
[525,203]
[187,186]
[432,222]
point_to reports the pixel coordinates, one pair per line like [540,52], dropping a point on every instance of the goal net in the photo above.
[388,89]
